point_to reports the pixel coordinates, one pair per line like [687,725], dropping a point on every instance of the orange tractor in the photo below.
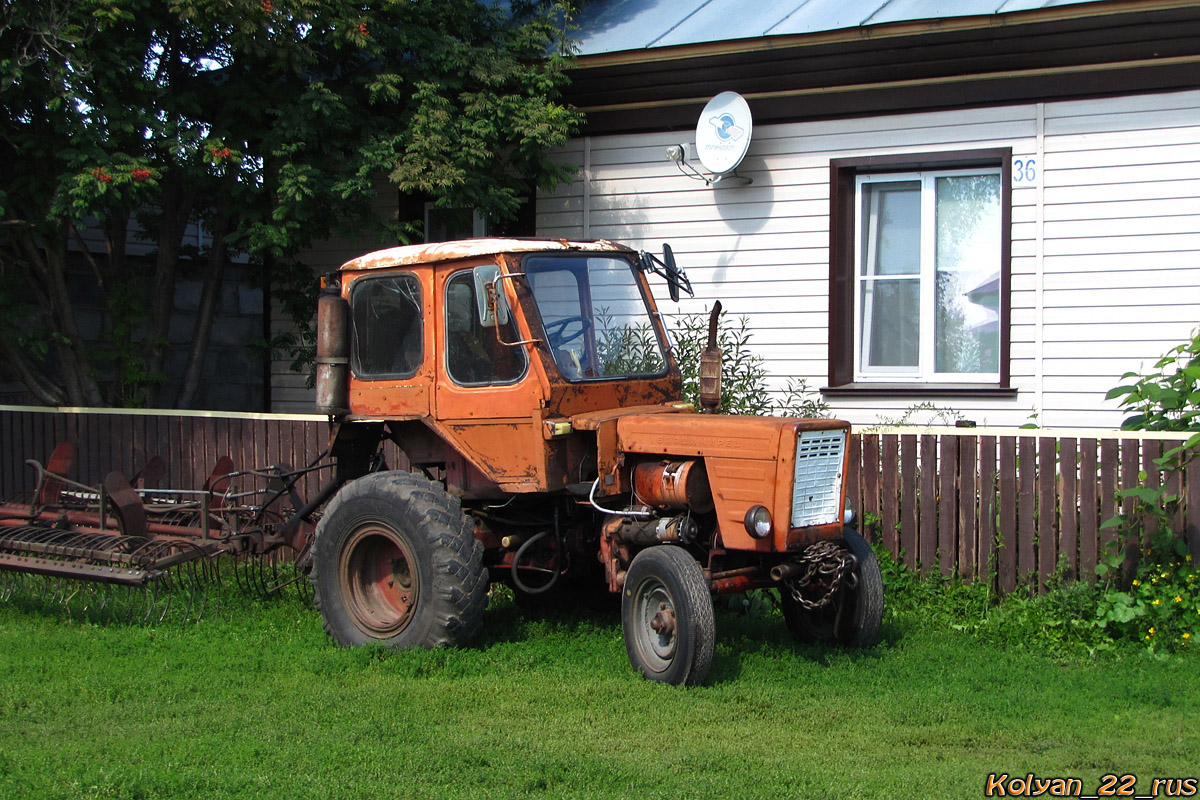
[532,387]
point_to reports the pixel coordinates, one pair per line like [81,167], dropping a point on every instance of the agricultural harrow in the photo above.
[133,548]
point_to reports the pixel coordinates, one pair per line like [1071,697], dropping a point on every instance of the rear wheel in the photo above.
[667,616]
[854,615]
[395,561]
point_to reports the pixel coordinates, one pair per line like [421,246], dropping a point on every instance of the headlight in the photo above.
[758,522]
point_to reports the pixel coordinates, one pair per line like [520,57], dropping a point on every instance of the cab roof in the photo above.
[437,252]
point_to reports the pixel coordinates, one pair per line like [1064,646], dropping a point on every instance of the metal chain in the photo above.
[824,564]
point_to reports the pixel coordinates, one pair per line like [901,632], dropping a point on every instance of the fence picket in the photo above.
[908,499]
[1068,507]
[947,504]
[1047,511]
[869,480]
[889,511]
[967,467]
[985,566]
[853,472]
[1192,527]
[1008,515]
[1026,508]
[1089,477]
[928,527]
[1130,466]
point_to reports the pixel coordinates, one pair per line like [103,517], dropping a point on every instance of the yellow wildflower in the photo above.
[1178,599]
[1187,636]
[1187,558]
[1156,602]
[1137,582]
[1152,630]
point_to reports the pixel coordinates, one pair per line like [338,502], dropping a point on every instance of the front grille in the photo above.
[818,481]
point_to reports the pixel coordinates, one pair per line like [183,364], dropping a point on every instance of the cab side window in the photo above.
[476,355]
[388,329]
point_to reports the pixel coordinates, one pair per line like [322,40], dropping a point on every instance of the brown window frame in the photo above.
[843,173]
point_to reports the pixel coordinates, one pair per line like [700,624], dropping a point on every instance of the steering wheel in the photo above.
[556,331]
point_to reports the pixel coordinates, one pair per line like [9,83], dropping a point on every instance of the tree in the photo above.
[271,123]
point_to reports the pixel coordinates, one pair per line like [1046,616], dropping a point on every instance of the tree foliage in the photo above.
[269,121]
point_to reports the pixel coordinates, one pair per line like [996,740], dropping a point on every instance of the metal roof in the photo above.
[608,26]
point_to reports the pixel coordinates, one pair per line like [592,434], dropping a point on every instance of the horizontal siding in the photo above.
[290,393]
[1119,253]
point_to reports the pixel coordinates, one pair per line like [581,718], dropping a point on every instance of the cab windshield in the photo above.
[594,318]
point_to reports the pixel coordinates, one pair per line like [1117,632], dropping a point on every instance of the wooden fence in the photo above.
[1003,505]
[1011,505]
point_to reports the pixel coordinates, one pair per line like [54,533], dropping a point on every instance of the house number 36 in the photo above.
[1024,172]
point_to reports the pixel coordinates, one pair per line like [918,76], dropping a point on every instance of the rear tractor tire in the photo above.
[667,616]
[396,562]
[853,617]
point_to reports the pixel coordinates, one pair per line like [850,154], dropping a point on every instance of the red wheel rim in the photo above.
[379,580]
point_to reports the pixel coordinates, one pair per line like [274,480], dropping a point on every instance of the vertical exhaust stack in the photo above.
[710,366]
[333,353]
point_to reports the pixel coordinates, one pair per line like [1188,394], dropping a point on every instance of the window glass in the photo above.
[968,274]
[927,302]
[594,317]
[387,338]
[476,355]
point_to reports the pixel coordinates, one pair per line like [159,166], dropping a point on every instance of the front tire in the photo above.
[396,562]
[667,616]
[854,616]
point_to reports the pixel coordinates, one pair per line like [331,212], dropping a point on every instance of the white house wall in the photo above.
[1105,253]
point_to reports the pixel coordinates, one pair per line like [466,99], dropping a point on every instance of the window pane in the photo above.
[891,228]
[968,274]
[596,321]
[475,354]
[387,326]
[891,321]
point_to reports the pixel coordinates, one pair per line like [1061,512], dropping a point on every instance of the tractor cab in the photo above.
[484,350]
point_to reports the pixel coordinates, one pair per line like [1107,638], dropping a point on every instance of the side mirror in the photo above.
[668,269]
[672,273]
[489,297]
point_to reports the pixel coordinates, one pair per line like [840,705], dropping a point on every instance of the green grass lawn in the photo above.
[254,701]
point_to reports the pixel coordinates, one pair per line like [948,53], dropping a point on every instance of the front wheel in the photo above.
[395,561]
[667,616]
[854,615]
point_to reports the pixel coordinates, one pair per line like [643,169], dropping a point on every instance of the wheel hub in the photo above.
[663,622]
[379,580]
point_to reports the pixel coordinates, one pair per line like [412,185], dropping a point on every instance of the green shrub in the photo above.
[743,376]
[1157,600]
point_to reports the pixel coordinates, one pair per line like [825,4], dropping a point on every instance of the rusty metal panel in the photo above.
[712,435]
[738,484]
[440,252]
[510,451]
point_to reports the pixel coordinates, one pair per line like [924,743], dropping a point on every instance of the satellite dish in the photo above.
[723,133]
